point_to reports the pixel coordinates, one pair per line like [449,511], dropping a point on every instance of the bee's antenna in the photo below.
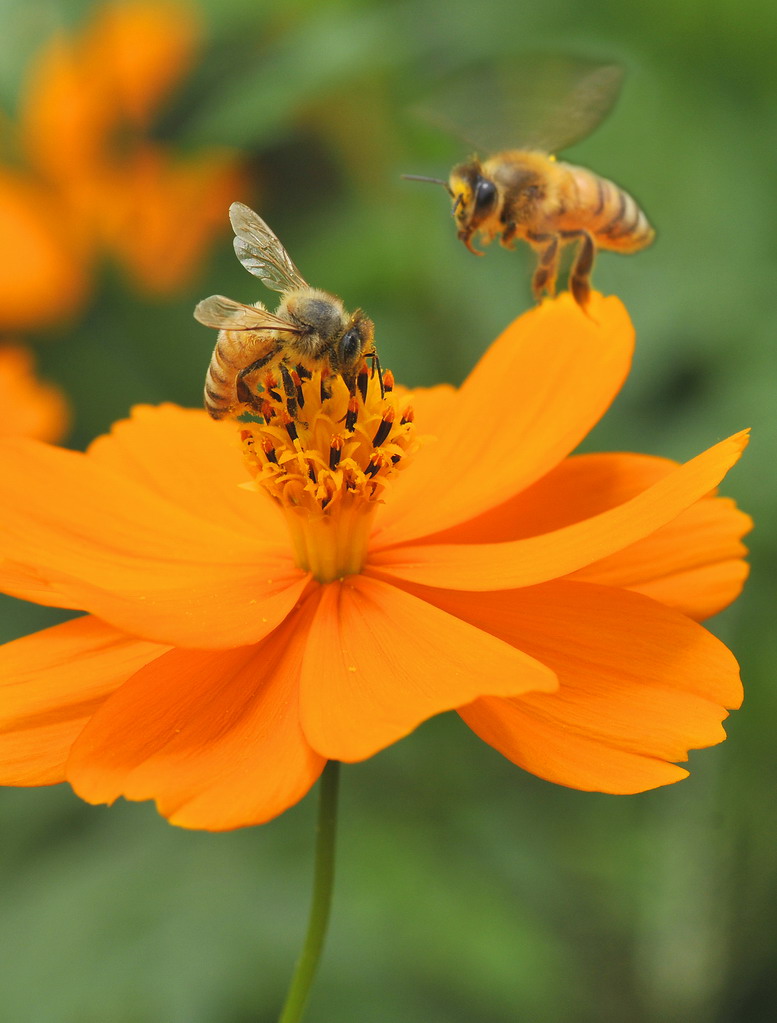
[433,181]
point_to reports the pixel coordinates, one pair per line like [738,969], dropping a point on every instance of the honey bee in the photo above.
[527,193]
[310,329]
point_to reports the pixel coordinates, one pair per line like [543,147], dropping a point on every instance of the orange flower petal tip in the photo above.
[539,558]
[558,373]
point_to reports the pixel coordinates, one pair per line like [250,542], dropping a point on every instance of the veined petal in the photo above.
[530,400]
[693,563]
[24,582]
[50,684]
[213,737]
[380,661]
[698,593]
[578,488]
[640,685]
[150,447]
[537,559]
[109,546]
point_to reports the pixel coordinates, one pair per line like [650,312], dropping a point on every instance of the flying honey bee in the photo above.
[309,329]
[527,193]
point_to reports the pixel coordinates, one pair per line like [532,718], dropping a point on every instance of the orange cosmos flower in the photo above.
[28,408]
[94,182]
[445,553]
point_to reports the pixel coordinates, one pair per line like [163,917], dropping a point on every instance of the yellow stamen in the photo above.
[326,456]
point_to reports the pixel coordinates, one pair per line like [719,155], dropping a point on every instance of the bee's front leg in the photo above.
[509,234]
[465,235]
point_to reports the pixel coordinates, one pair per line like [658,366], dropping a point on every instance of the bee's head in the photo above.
[474,198]
[356,341]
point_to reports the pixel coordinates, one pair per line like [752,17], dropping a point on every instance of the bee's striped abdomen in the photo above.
[610,214]
[221,379]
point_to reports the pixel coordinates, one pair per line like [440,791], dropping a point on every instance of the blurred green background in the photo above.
[466,889]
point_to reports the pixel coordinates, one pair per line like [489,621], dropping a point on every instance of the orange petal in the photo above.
[162,214]
[213,737]
[139,51]
[24,582]
[693,563]
[640,685]
[380,661]
[530,400]
[107,545]
[578,488]
[148,448]
[536,559]
[432,407]
[28,408]
[699,592]
[43,271]
[67,112]
[50,685]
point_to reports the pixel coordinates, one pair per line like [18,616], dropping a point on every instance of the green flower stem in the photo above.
[323,879]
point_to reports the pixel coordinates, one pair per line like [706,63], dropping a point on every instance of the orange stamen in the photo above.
[329,470]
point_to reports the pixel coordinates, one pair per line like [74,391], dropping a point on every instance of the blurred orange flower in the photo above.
[94,182]
[386,558]
[28,408]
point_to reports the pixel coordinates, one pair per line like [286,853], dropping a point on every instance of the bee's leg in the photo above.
[362,380]
[376,367]
[547,264]
[509,232]
[244,393]
[465,235]
[290,388]
[580,275]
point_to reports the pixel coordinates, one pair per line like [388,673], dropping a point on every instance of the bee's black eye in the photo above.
[485,194]
[350,347]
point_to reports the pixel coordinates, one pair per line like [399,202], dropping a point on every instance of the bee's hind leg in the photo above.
[544,278]
[580,274]
[244,393]
[292,394]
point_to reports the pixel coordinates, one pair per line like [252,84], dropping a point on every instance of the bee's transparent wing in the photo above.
[226,314]
[532,101]
[260,251]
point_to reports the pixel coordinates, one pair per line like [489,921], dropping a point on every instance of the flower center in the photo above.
[326,455]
